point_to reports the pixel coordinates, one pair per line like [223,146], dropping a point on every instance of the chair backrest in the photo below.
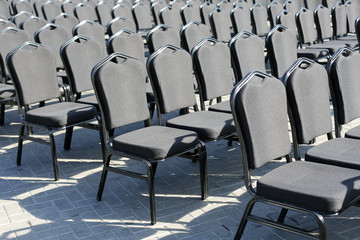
[259,19]
[170,16]
[50,9]
[281,44]
[68,22]
[351,15]
[155,9]
[329,3]
[259,108]
[225,5]
[241,20]
[170,71]
[5,9]
[192,33]
[339,21]
[178,4]
[93,30]
[33,71]
[69,5]
[32,24]
[243,3]
[305,24]
[293,5]
[142,16]
[23,5]
[287,19]
[20,17]
[128,43]
[79,55]
[220,24]
[274,9]
[5,23]
[103,12]
[84,11]
[37,7]
[344,78]
[247,54]
[307,87]
[119,23]
[162,35]
[312,4]
[195,3]
[121,10]
[205,10]
[190,13]
[120,89]
[53,36]
[212,67]
[264,3]
[323,22]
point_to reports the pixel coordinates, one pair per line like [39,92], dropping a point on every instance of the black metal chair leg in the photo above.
[54,157]
[230,142]
[2,114]
[20,144]
[103,177]
[151,179]
[244,220]
[154,167]
[282,215]
[68,137]
[203,172]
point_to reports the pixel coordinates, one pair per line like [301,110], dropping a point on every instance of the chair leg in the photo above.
[282,215]
[151,178]
[2,114]
[68,137]
[20,144]
[203,172]
[54,157]
[103,177]
[244,220]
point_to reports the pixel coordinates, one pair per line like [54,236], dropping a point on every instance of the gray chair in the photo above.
[68,22]
[190,13]
[103,12]
[69,5]
[119,23]
[339,24]
[205,10]
[37,62]
[329,3]
[23,5]
[156,6]
[84,11]
[240,19]
[171,17]
[274,9]
[192,33]
[162,35]
[220,24]
[32,24]
[312,4]
[5,23]
[352,10]
[5,9]
[50,9]
[287,19]
[37,7]
[121,10]
[122,101]
[142,17]
[20,17]
[259,20]
[319,190]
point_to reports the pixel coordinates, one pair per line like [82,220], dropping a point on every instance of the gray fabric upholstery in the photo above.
[212,63]
[323,23]
[121,91]
[33,62]
[259,20]
[210,126]
[103,12]
[155,9]
[331,46]
[353,133]
[5,23]
[68,22]
[155,142]
[171,75]
[274,9]
[302,183]
[312,4]
[220,24]
[161,35]
[263,120]
[128,43]
[241,20]
[32,24]
[287,18]
[84,11]
[339,20]
[50,9]
[142,16]
[221,107]
[351,14]
[122,10]
[308,93]
[119,23]
[193,33]
[61,114]
[170,16]
[20,17]
[205,10]
[306,21]
[6,91]
[190,13]
[5,9]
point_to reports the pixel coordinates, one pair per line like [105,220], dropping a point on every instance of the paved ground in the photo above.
[34,206]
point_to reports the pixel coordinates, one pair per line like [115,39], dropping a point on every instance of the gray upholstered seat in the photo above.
[6,91]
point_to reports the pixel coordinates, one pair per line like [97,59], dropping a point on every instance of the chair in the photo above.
[121,10]
[50,9]
[156,6]
[32,24]
[162,35]
[274,9]
[205,10]
[128,43]
[119,23]
[190,13]
[37,62]
[247,54]
[5,23]
[142,17]
[171,17]
[5,9]
[287,19]
[20,17]
[240,19]
[103,12]
[37,7]
[84,11]
[192,33]
[259,20]
[307,83]
[214,80]
[171,75]
[178,4]
[351,15]
[329,3]
[23,6]
[312,4]
[220,24]
[319,190]
[293,6]
[69,5]
[122,101]
[339,24]
[68,22]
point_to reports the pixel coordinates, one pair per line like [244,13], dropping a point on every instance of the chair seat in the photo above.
[156,142]
[344,152]
[91,100]
[61,114]
[353,133]
[6,91]
[320,187]
[312,53]
[210,126]
[221,107]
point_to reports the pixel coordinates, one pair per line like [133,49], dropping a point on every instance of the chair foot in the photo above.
[20,144]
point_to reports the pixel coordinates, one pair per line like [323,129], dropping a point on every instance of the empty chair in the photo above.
[259,20]
[171,17]
[122,101]
[119,23]
[205,10]
[5,24]
[50,9]
[32,24]
[241,20]
[247,54]
[225,5]
[93,30]
[37,62]
[178,4]
[351,15]
[162,35]
[85,11]
[214,80]
[287,19]
[192,33]
[37,7]
[69,5]
[20,17]
[142,17]
[103,12]
[329,3]
[263,133]
[190,13]
[155,9]
[243,3]
[312,4]
[274,9]
[121,10]
[68,22]
[195,3]
[5,9]
[23,5]
[293,5]
[220,24]
[339,24]
[128,43]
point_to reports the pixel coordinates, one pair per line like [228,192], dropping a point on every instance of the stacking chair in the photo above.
[84,11]
[142,17]
[50,9]
[240,19]
[5,9]
[23,5]
[37,7]
[339,24]
[329,3]
[247,54]
[32,24]
[171,75]
[243,3]
[68,22]
[307,83]
[128,43]
[68,6]
[287,19]
[319,190]
[190,13]
[178,4]
[259,20]
[351,14]
[192,33]
[122,101]
[220,24]
[171,17]
[119,23]
[293,5]
[103,12]
[312,4]
[121,10]
[161,35]
[37,62]
[214,80]
[5,23]
[20,17]
[274,9]
[205,10]
[155,9]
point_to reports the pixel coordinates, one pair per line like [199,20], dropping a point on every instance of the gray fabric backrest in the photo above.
[352,11]
[33,70]
[5,9]
[68,6]
[155,9]
[220,24]
[20,17]
[120,88]
[247,54]
[259,20]
[241,20]
[281,44]
[50,9]
[79,56]
[274,9]
[142,16]
[119,23]
[121,10]
[32,24]
[307,86]
[128,43]
[329,3]
[192,33]
[323,22]
[68,22]
[205,10]
[23,5]
[84,11]
[170,70]
[287,19]
[264,3]
[170,16]
[103,12]
[345,79]
[53,36]
[312,4]
[5,23]
[178,4]
[260,111]
[293,5]
[161,35]
[190,13]
[305,25]
[10,38]
[212,66]
[339,20]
